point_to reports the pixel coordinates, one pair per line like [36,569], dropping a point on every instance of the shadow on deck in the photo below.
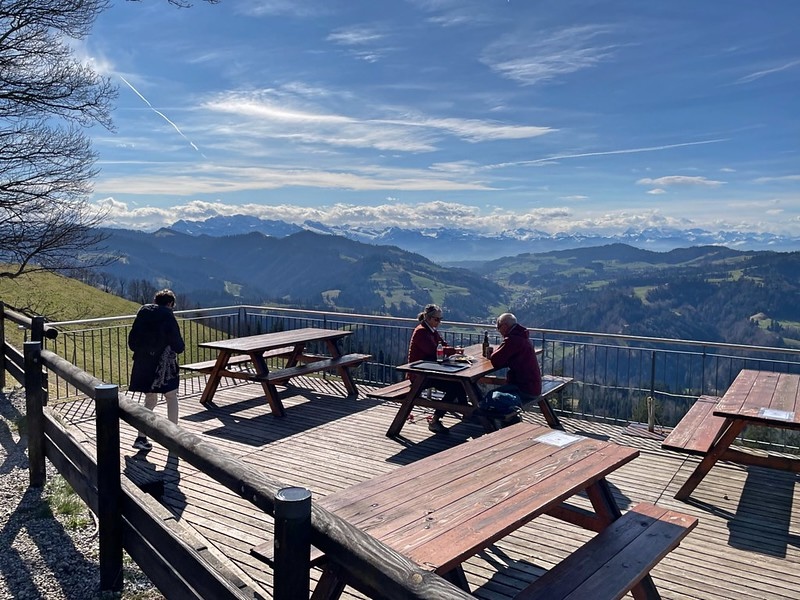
[746,546]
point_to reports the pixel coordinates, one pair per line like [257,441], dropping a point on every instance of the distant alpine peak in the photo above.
[432,243]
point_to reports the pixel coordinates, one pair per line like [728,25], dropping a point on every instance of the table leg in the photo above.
[343,372]
[406,406]
[215,377]
[270,391]
[730,431]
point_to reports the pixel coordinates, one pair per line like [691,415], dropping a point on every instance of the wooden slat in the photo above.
[787,394]
[391,392]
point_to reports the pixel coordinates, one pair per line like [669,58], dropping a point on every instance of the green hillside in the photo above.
[58,298]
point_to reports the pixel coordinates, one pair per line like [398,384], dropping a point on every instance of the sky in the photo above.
[558,116]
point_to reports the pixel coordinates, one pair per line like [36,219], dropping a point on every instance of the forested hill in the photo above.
[702,293]
[304,269]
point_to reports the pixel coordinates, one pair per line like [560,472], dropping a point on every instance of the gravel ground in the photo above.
[43,555]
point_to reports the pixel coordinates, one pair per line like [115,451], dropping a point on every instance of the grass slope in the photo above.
[60,298]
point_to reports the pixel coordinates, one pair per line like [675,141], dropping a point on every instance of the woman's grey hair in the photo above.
[428,311]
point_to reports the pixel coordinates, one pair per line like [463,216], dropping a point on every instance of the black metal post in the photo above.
[292,543]
[2,346]
[651,402]
[34,412]
[108,487]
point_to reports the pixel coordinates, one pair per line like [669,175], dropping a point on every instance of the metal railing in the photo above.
[615,377]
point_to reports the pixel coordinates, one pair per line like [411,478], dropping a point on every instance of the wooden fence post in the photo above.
[292,543]
[108,487]
[37,329]
[34,413]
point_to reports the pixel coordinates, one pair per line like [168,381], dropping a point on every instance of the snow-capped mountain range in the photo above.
[452,245]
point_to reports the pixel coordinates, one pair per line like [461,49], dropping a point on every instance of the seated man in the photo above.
[524,379]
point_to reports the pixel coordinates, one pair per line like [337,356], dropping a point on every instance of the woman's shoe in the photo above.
[437,427]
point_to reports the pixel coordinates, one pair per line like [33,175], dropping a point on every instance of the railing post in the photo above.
[2,346]
[651,401]
[108,487]
[37,329]
[703,372]
[242,326]
[34,412]
[292,543]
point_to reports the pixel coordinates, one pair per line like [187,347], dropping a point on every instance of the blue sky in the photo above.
[490,114]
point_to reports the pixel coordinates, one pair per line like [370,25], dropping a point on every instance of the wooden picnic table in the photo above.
[295,342]
[443,509]
[469,375]
[761,398]
[466,374]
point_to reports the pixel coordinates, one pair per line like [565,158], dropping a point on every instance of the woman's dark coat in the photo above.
[155,339]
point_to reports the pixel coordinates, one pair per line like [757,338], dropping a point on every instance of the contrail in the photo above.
[162,115]
[603,153]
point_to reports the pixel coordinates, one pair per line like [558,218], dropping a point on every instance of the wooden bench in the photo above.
[207,365]
[395,391]
[283,375]
[697,430]
[616,560]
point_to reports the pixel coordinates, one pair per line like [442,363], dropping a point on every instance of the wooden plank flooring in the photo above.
[746,546]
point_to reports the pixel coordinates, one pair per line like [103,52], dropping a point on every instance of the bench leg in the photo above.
[720,447]
[330,586]
[457,578]
[645,589]
[549,415]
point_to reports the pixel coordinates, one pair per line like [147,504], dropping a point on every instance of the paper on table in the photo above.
[771,413]
[558,438]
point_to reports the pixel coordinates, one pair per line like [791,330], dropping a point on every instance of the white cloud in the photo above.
[292,8]
[769,71]
[680,180]
[270,114]
[394,213]
[788,178]
[530,59]
[656,191]
[355,36]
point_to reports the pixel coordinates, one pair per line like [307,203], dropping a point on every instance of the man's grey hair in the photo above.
[507,319]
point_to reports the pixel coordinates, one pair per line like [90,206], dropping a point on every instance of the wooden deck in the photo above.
[746,546]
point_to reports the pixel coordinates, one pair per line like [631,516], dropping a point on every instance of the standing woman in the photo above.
[424,341]
[156,341]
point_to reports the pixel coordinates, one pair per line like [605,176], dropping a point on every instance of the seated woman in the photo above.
[424,341]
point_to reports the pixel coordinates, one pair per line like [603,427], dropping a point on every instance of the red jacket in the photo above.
[516,352]
[423,343]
